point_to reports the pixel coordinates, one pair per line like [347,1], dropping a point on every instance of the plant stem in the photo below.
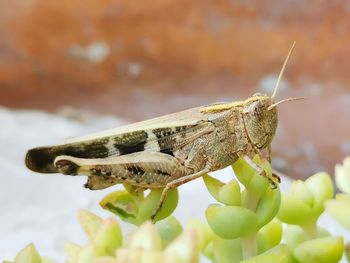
[249,246]
[249,243]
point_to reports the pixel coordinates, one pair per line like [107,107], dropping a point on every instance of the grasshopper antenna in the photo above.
[284,100]
[282,71]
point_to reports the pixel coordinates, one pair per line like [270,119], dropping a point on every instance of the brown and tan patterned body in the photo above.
[154,153]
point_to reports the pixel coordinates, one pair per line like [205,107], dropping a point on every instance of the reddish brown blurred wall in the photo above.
[138,59]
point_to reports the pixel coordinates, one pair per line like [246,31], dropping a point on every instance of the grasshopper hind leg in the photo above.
[101,182]
[141,169]
[67,167]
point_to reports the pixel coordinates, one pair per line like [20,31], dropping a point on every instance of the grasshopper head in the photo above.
[260,120]
[260,113]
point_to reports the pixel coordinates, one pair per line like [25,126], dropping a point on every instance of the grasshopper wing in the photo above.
[163,134]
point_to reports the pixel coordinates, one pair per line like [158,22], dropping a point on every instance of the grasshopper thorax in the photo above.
[260,121]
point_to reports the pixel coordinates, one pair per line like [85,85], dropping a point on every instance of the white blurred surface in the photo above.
[42,208]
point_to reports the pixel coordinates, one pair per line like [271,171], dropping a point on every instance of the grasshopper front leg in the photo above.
[274,180]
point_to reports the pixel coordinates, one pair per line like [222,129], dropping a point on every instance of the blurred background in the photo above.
[72,67]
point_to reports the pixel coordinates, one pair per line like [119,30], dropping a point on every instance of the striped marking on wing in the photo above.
[170,139]
[161,139]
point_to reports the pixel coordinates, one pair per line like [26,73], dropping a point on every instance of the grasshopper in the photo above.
[170,150]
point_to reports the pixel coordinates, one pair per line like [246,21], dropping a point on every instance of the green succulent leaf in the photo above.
[343,197]
[213,185]
[109,236]
[306,201]
[268,206]
[243,171]
[133,208]
[250,178]
[168,229]
[208,251]
[342,175]
[184,249]
[136,192]
[227,250]
[269,236]
[230,222]
[126,254]
[228,194]
[72,251]
[293,211]
[203,231]
[89,222]
[321,187]
[293,236]
[320,250]
[146,237]
[121,203]
[29,254]
[339,209]
[151,202]
[89,253]
[278,254]
[302,193]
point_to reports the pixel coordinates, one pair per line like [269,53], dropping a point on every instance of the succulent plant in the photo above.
[29,254]
[238,222]
[339,207]
[132,206]
[245,225]
[300,209]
